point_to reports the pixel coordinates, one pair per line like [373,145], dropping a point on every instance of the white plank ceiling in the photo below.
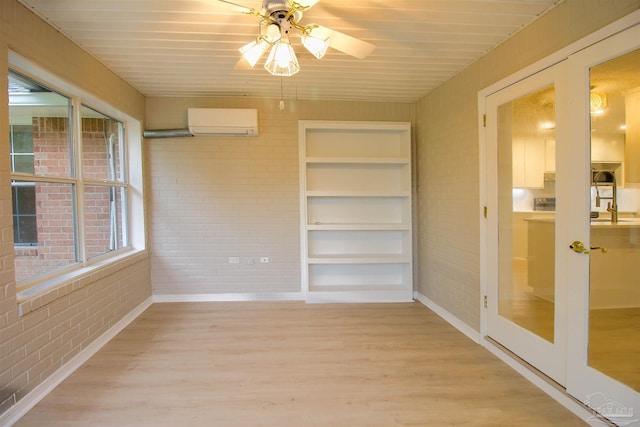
[190,47]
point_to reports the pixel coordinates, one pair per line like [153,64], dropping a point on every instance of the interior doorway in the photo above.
[563,222]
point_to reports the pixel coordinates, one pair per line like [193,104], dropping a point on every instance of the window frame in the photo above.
[133,238]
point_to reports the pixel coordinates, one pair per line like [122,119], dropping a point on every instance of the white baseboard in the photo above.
[31,399]
[471,333]
[275,296]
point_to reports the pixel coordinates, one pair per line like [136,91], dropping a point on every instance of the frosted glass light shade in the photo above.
[316,45]
[252,52]
[282,59]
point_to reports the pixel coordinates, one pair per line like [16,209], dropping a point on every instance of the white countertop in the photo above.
[596,222]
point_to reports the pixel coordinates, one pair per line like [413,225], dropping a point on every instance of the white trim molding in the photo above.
[230,297]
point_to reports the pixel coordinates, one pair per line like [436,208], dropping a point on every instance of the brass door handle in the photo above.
[579,247]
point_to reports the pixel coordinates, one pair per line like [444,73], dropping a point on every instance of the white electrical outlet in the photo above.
[264,259]
[247,260]
[234,260]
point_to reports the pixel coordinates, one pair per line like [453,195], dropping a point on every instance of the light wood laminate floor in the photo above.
[292,364]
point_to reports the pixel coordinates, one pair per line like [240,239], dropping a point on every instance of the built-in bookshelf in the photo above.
[355,184]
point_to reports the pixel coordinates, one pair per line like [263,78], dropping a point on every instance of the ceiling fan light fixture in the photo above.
[282,59]
[252,52]
[316,45]
[598,103]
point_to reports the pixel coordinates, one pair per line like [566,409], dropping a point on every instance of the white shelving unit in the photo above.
[355,185]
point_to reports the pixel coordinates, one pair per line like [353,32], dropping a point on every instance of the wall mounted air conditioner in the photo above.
[223,121]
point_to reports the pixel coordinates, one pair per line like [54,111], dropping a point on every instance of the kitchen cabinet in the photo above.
[632,143]
[541,257]
[607,148]
[355,185]
[614,274]
[607,153]
[529,160]
[550,155]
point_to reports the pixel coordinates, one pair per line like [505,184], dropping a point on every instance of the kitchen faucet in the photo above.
[608,178]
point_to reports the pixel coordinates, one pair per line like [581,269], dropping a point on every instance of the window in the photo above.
[69,182]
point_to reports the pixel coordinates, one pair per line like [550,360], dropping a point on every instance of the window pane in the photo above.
[56,237]
[22,148]
[23,163]
[22,138]
[41,115]
[526,140]
[52,155]
[100,146]
[614,297]
[24,228]
[25,200]
[104,214]
[24,214]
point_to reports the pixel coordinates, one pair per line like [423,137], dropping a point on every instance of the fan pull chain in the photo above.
[281,96]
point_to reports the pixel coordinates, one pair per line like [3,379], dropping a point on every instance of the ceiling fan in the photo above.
[280,20]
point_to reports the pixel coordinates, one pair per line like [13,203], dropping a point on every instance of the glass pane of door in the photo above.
[526,205]
[614,282]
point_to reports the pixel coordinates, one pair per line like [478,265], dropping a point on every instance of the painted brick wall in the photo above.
[54,327]
[448,162]
[218,197]
[38,336]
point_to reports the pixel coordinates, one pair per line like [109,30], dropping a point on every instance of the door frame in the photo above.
[530,374]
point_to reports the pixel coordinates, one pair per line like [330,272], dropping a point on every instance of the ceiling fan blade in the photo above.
[238,7]
[344,43]
[306,4]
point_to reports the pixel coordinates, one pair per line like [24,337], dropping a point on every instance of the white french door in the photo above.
[603,365]
[524,301]
[563,285]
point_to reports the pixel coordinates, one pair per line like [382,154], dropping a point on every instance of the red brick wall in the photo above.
[54,202]
[97,199]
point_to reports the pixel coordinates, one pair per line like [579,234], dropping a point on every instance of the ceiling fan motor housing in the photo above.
[278,12]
